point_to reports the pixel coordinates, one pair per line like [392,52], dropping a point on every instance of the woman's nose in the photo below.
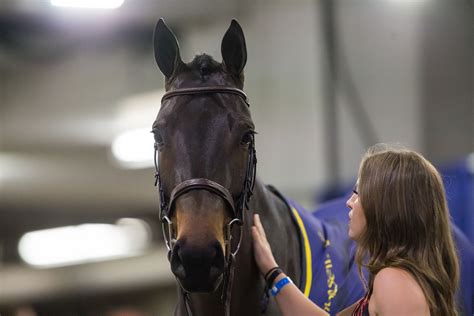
[349,202]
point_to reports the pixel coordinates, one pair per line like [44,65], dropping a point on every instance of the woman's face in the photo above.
[357,220]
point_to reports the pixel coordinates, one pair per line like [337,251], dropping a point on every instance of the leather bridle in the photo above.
[236,206]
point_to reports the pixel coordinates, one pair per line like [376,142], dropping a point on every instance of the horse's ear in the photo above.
[233,49]
[166,49]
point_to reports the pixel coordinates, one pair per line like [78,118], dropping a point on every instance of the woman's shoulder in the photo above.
[398,282]
[397,291]
[390,275]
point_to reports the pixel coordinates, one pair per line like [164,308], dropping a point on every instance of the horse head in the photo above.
[204,149]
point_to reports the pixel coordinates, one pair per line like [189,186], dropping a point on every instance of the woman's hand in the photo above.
[290,300]
[261,247]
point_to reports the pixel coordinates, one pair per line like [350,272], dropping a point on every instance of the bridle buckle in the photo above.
[168,234]
[228,238]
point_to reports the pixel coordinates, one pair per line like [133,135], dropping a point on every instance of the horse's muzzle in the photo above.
[198,269]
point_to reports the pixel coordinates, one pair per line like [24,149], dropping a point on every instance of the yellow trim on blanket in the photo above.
[309,274]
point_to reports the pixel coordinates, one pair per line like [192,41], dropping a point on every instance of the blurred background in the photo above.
[79,90]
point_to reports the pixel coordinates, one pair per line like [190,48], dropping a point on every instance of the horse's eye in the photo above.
[158,137]
[247,138]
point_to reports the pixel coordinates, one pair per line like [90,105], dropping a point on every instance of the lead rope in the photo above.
[187,300]
[227,290]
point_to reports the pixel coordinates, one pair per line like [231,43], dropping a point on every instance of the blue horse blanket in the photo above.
[329,273]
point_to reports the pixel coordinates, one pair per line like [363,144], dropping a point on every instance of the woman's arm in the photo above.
[290,300]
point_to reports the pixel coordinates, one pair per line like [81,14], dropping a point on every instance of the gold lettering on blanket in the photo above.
[331,282]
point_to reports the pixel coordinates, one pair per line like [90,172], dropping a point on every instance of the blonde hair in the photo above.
[408,224]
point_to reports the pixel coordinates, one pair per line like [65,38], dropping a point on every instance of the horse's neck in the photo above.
[284,240]
[280,229]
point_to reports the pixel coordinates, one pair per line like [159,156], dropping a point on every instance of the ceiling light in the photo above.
[93,4]
[133,145]
[84,243]
[134,149]
[410,2]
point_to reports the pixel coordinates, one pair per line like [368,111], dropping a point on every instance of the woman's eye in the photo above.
[355,190]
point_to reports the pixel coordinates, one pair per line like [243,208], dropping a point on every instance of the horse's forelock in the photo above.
[204,64]
[206,69]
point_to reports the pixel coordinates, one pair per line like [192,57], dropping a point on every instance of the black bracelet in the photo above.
[270,277]
[276,272]
[269,272]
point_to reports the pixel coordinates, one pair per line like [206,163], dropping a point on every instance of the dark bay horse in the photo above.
[205,171]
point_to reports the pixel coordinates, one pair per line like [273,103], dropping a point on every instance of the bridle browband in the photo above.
[206,90]
[237,207]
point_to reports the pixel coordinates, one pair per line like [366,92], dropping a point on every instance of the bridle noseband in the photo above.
[237,207]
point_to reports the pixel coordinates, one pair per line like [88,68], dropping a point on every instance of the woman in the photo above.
[400,222]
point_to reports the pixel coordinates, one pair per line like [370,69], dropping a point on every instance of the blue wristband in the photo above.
[279,285]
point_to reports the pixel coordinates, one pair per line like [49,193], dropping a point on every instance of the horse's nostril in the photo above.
[217,264]
[198,267]
[188,261]
[179,271]
[218,260]
[176,262]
